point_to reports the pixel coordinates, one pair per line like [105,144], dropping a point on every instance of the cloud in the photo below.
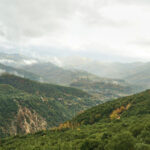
[135,2]
[24,20]
[29,62]
[142,43]
[92,27]
[6,61]
[2,71]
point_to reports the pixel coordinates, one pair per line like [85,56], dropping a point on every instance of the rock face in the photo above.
[25,122]
[27,106]
[29,122]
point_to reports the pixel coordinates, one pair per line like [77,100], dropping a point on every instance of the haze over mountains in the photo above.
[74,75]
[105,81]
[40,104]
[68,69]
[108,69]
[73,101]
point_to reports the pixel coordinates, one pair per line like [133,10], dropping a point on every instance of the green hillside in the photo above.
[33,87]
[122,124]
[21,112]
[27,106]
[138,105]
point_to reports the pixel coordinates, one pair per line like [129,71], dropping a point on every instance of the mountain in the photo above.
[50,73]
[134,73]
[136,105]
[19,72]
[45,71]
[108,89]
[122,124]
[21,112]
[16,60]
[102,88]
[57,75]
[114,70]
[33,106]
[75,68]
[141,76]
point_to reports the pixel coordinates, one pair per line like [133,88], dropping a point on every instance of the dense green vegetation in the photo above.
[13,100]
[33,87]
[139,105]
[122,124]
[74,99]
[30,103]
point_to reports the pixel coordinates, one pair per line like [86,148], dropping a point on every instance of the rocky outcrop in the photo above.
[27,121]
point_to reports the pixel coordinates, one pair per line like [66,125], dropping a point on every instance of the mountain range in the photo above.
[122,124]
[46,72]
[19,72]
[31,106]
[134,73]
[73,68]
[75,106]
[106,90]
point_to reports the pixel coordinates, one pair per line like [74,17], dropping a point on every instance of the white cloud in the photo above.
[6,61]
[29,62]
[2,71]
[114,27]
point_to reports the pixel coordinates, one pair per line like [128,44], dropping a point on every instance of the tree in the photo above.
[89,144]
[122,141]
[142,146]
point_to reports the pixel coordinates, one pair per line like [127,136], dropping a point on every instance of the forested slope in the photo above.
[122,124]
[27,106]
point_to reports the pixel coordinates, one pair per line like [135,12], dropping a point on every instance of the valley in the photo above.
[74,75]
[31,106]
[45,106]
[95,129]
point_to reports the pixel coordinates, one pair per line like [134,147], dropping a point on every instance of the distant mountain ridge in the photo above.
[18,72]
[50,73]
[16,60]
[57,75]
[134,73]
[74,69]
[106,89]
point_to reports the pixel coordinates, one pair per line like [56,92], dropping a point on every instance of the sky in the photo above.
[107,30]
